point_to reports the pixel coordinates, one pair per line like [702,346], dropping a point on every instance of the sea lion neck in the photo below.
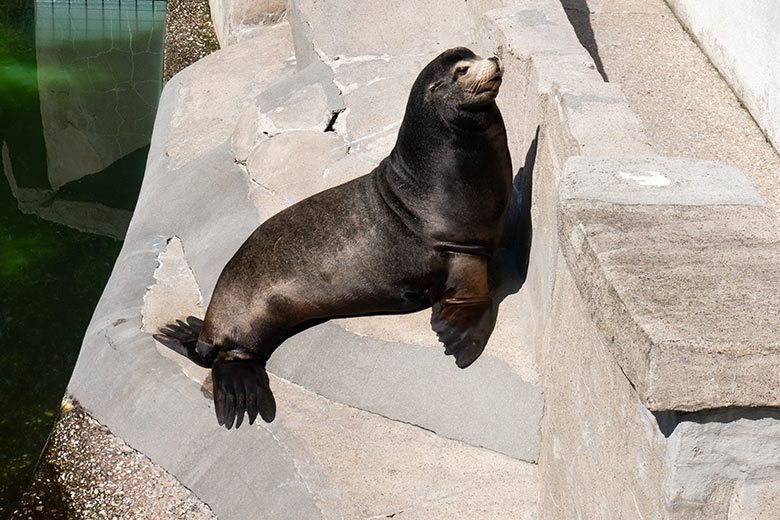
[451,187]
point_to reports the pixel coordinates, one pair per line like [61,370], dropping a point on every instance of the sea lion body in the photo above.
[294,268]
[417,231]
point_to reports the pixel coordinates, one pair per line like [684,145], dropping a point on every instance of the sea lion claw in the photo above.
[251,404]
[195,323]
[182,338]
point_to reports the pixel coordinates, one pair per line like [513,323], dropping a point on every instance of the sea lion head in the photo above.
[457,83]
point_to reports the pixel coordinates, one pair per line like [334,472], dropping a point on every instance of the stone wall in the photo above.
[646,298]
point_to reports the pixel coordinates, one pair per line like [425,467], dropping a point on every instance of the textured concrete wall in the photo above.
[741,40]
[636,298]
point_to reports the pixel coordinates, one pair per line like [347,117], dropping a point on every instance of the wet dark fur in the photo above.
[415,232]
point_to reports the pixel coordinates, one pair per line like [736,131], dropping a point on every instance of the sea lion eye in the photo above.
[461,71]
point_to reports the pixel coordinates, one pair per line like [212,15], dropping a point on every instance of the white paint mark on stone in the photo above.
[337,61]
[652,178]
[636,505]
[265,124]
[377,80]
[345,89]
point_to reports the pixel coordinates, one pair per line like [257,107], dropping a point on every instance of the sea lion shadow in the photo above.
[508,269]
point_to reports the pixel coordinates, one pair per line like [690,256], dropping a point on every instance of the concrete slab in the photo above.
[506,343]
[408,28]
[653,180]
[535,28]
[486,405]
[361,465]
[209,104]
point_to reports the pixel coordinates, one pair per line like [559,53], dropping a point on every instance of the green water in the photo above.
[79,85]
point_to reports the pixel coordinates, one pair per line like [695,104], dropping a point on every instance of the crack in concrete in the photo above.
[385,515]
[383,130]
[104,332]
[334,114]
[296,467]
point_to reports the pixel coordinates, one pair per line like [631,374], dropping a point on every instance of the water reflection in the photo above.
[79,84]
[98,81]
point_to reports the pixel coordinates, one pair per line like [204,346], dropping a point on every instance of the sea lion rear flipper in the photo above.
[464,317]
[182,338]
[241,385]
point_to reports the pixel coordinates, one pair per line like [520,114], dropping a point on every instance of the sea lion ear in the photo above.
[434,86]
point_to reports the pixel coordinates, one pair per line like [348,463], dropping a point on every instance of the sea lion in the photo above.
[417,231]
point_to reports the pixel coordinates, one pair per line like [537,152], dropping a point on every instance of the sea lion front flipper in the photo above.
[463,316]
[241,385]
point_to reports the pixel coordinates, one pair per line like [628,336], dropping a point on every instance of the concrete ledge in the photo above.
[677,259]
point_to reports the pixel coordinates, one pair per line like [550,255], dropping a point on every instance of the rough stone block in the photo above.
[406,29]
[238,20]
[678,261]
[209,105]
[725,464]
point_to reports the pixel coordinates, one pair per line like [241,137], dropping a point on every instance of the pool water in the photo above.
[79,85]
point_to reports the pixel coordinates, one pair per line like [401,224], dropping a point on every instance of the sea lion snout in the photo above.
[498,63]
[487,77]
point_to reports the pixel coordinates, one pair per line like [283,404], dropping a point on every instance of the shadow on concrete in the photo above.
[509,268]
[578,13]
[668,420]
